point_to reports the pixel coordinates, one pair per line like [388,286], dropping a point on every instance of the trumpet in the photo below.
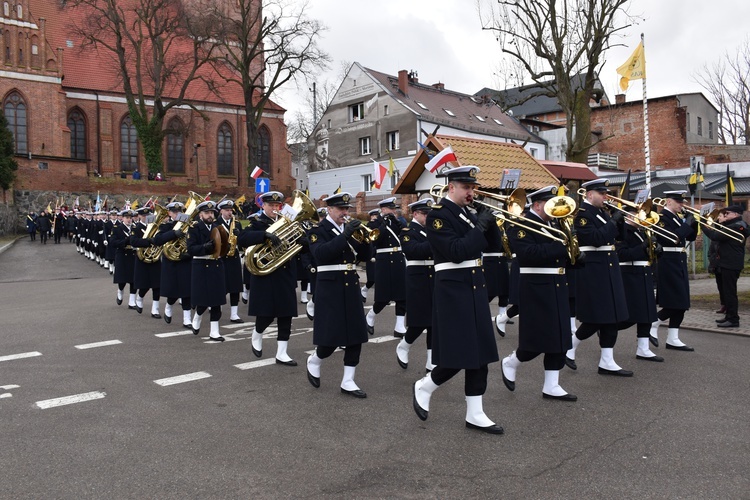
[364,234]
[643,216]
[710,222]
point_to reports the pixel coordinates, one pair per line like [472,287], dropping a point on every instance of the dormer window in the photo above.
[449,113]
[498,122]
[421,105]
[479,118]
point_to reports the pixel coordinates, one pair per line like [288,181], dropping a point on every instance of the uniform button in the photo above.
[475,287]
[346,284]
[610,265]
[473,271]
[558,285]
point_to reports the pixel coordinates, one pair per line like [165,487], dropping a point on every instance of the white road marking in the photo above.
[6,395]
[9,387]
[20,356]
[189,377]
[69,400]
[256,364]
[173,334]
[385,338]
[246,324]
[98,344]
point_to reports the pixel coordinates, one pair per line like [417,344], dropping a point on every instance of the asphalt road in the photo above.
[677,429]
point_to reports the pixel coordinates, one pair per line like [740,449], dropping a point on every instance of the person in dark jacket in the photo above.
[273,295]
[730,259]
[339,313]
[124,256]
[600,295]
[44,225]
[673,287]
[207,288]
[175,274]
[462,333]
[545,327]
[420,278]
[31,225]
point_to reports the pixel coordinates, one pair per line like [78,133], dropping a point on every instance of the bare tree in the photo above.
[303,123]
[260,48]
[728,85]
[157,47]
[555,40]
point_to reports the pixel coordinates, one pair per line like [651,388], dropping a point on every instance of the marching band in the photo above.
[548,264]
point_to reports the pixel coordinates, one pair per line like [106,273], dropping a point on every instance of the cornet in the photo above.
[364,234]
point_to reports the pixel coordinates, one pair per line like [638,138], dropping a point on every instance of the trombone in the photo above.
[515,202]
[707,220]
[643,216]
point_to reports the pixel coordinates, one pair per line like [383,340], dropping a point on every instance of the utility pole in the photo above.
[315,104]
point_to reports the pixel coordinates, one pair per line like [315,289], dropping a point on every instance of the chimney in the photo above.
[620,99]
[439,86]
[403,81]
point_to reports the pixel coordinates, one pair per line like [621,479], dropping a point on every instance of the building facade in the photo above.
[72,129]
[375,117]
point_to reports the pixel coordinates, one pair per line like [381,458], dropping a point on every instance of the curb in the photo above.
[722,331]
[9,244]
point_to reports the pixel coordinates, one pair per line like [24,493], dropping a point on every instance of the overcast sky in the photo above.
[442,40]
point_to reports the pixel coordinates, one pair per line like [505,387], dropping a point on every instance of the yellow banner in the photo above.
[634,68]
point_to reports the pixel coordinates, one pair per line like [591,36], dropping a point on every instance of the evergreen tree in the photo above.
[8,164]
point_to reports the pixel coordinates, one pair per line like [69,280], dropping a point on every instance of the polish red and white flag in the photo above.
[380,172]
[257,172]
[440,159]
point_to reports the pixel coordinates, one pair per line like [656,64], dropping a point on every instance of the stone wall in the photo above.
[10,220]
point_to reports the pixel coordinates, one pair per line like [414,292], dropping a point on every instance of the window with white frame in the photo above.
[385,110]
[710,130]
[391,140]
[364,146]
[700,126]
[533,152]
[367,183]
[356,112]
[394,178]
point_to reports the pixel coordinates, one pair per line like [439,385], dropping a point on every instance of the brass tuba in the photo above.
[265,258]
[174,249]
[152,253]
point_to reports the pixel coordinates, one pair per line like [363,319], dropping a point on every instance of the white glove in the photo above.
[106,243]
[101,232]
[183,217]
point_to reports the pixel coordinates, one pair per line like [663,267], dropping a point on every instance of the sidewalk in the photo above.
[702,317]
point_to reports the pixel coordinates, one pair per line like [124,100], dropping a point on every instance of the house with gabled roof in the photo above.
[376,117]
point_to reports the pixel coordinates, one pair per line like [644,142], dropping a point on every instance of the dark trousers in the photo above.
[719,286]
[214,314]
[284,324]
[400,307]
[186,306]
[413,333]
[729,279]
[607,333]
[475,381]
[642,332]
[351,353]
[43,237]
[675,316]
[552,360]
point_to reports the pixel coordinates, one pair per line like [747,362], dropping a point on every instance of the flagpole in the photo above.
[645,123]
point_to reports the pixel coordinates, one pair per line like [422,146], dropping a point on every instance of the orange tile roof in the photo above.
[491,158]
[96,71]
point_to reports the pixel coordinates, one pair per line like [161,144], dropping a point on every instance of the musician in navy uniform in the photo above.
[390,269]
[339,313]
[462,333]
[124,256]
[730,260]
[420,278]
[273,295]
[310,306]
[635,253]
[59,225]
[31,225]
[232,263]
[600,295]
[545,326]
[147,276]
[672,285]
[175,275]
[370,264]
[207,288]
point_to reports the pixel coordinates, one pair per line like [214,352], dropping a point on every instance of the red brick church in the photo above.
[73,134]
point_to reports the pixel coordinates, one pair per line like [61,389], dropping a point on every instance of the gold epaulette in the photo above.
[437,207]
[405,229]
